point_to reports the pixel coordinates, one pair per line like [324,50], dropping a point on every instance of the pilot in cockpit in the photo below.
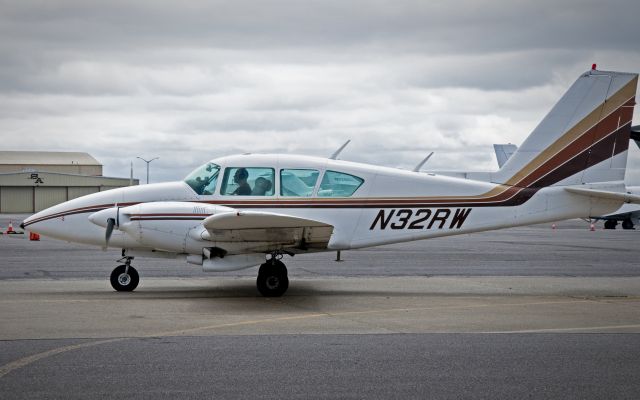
[240,178]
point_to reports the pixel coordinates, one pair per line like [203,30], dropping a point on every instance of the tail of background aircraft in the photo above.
[583,139]
[504,152]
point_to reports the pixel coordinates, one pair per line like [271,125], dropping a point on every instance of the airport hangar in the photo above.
[31,181]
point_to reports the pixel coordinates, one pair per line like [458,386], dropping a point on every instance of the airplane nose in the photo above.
[29,224]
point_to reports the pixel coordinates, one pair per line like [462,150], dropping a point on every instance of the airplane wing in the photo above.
[264,231]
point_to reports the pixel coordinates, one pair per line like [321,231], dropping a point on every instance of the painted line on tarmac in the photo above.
[25,361]
[182,332]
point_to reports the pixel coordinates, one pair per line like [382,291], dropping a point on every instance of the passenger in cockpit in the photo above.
[262,186]
[240,178]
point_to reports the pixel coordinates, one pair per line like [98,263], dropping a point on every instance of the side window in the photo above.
[298,182]
[239,181]
[338,184]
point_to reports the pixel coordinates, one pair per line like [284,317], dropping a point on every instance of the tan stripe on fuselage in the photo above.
[604,109]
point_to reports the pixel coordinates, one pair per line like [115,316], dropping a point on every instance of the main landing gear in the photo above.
[273,280]
[125,278]
[627,223]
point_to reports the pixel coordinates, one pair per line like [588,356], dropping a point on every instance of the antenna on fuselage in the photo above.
[421,163]
[334,156]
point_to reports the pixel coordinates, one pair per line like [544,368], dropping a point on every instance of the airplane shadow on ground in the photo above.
[247,290]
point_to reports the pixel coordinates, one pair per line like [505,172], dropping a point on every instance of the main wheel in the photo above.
[627,224]
[124,281]
[272,279]
[610,224]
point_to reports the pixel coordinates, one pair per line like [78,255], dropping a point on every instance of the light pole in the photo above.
[148,162]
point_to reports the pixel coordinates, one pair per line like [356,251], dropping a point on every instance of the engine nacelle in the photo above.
[159,225]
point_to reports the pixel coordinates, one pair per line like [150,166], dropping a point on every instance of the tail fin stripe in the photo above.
[624,97]
[606,127]
[598,152]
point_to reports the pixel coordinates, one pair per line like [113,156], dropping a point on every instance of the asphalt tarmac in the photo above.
[520,313]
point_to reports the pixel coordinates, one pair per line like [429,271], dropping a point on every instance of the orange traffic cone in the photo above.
[34,236]
[10,228]
[592,228]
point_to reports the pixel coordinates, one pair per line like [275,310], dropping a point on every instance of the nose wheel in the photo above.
[272,279]
[125,278]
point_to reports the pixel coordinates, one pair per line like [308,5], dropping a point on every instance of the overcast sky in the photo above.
[192,81]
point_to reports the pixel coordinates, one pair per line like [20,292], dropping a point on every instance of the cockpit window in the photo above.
[298,182]
[338,184]
[203,179]
[249,181]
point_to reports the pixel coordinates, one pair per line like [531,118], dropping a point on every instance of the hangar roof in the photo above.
[46,158]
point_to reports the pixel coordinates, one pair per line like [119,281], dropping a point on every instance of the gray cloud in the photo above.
[418,25]
[190,81]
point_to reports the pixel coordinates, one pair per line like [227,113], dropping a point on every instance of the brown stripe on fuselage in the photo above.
[604,109]
[596,133]
[600,151]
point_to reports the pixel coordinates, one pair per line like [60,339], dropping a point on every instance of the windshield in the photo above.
[203,179]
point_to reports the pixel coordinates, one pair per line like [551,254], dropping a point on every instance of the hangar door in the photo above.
[16,199]
[46,197]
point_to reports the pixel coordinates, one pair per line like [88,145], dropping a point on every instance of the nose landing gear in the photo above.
[125,278]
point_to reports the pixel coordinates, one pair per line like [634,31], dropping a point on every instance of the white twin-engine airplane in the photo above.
[246,210]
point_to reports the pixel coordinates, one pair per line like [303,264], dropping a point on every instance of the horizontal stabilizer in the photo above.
[602,194]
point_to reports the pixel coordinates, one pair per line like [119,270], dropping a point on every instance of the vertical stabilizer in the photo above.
[583,139]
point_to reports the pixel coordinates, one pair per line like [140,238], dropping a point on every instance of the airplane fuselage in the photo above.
[389,206]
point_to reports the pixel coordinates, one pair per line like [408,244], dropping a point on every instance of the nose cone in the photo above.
[41,223]
[30,222]
[101,218]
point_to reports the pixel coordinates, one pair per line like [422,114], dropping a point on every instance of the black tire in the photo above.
[124,282]
[610,224]
[627,224]
[273,280]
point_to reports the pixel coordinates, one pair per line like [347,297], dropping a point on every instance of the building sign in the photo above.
[36,178]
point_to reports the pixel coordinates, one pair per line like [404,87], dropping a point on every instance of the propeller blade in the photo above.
[110,224]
